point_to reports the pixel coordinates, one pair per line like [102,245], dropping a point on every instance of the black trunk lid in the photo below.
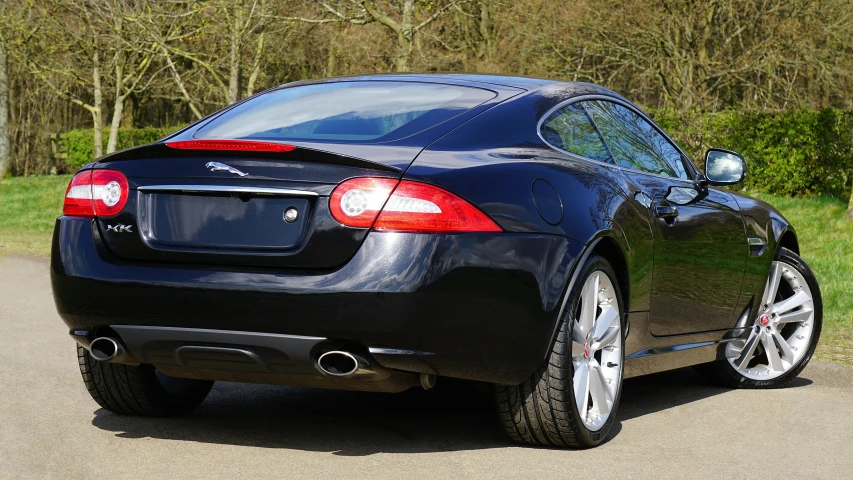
[179,210]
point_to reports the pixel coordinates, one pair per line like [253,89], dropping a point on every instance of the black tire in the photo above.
[141,389]
[724,373]
[542,409]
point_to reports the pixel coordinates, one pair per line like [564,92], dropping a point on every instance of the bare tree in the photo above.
[405,19]
[132,56]
[62,44]
[709,53]
[5,151]
[231,24]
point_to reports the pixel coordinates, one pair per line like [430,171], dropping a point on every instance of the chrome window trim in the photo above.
[692,171]
[226,189]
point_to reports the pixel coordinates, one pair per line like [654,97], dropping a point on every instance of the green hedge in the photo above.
[80,144]
[792,152]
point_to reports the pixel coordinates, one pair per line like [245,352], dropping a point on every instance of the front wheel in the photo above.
[571,400]
[781,341]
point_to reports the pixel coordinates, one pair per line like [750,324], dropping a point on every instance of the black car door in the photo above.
[700,242]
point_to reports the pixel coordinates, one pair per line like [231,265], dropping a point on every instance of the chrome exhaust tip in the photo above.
[104,349]
[337,363]
[341,364]
[110,350]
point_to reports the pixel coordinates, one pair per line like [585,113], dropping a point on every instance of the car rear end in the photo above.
[280,242]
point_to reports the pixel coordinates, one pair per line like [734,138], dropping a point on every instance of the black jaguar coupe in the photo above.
[376,233]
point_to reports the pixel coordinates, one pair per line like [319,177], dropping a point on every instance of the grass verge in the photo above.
[29,206]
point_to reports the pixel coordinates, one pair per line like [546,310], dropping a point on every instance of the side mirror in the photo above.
[724,167]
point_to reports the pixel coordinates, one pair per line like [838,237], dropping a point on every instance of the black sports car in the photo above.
[375,233]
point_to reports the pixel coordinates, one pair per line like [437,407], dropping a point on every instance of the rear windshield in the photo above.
[372,112]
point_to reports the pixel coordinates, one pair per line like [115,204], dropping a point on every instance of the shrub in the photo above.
[80,144]
[791,152]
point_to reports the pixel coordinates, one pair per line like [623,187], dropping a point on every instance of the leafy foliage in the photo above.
[79,144]
[794,152]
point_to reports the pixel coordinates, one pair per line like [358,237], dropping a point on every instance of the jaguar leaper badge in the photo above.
[217,167]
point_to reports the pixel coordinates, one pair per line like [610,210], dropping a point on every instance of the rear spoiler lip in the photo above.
[395,157]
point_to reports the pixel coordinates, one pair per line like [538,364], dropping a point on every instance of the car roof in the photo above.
[524,83]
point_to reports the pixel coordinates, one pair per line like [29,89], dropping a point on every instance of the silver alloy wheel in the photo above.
[597,350]
[782,330]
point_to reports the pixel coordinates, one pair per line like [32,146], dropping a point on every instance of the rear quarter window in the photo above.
[369,112]
[571,130]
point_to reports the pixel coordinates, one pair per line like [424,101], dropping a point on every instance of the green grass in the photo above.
[29,206]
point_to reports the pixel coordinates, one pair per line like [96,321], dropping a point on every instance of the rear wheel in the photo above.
[780,343]
[571,400]
[140,389]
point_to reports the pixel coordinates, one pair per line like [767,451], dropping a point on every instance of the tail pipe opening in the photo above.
[110,350]
[338,363]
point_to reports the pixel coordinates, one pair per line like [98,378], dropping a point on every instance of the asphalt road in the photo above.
[671,425]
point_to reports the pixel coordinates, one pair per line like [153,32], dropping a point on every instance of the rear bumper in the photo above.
[480,307]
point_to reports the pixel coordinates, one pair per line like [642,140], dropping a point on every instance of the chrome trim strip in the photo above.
[226,189]
[395,351]
[674,348]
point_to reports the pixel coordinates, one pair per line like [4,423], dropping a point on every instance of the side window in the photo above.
[570,129]
[634,142]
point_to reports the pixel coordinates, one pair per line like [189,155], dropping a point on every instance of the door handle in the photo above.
[666,211]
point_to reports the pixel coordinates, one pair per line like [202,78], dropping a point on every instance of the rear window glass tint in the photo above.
[371,112]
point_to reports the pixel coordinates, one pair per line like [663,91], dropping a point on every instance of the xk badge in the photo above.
[119,228]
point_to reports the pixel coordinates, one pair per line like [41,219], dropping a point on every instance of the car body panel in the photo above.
[476,311]
[698,257]
[765,223]
[475,306]
[495,166]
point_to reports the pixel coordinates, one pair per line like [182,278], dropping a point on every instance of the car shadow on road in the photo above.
[452,417]
[661,391]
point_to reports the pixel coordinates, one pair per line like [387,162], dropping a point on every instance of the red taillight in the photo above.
[78,196]
[356,202]
[418,207]
[232,145]
[101,193]
[413,207]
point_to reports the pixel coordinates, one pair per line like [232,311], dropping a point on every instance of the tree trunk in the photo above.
[850,206]
[256,65]
[129,107]
[404,51]
[180,83]
[405,38]
[331,61]
[234,79]
[485,28]
[5,150]
[97,120]
[118,109]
